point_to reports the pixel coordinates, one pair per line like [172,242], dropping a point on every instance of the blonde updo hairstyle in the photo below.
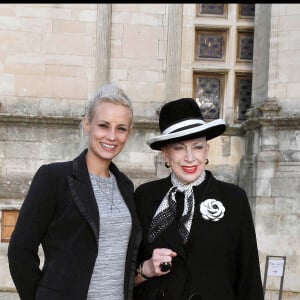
[108,93]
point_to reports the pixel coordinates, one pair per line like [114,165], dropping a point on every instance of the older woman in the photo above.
[199,238]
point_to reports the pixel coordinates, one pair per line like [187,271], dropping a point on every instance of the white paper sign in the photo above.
[275,267]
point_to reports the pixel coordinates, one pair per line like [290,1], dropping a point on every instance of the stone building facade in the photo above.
[53,57]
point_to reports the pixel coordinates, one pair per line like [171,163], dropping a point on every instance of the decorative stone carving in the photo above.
[270,108]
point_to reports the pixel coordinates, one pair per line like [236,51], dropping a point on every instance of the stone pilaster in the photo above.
[174,51]
[103,45]
[270,174]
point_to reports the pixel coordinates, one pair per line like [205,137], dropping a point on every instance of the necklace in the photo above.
[107,188]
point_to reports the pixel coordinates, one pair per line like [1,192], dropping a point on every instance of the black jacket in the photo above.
[60,213]
[220,260]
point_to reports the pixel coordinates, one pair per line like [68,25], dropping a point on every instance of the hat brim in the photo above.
[209,130]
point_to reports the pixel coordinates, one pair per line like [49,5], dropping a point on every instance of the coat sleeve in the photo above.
[34,217]
[250,284]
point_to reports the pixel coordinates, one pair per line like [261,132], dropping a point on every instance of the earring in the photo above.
[167,165]
[206,161]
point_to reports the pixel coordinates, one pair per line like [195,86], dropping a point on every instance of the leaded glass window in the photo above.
[208,89]
[244,89]
[247,10]
[245,45]
[212,9]
[210,45]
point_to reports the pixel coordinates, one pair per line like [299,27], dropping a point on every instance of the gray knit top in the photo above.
[107,282]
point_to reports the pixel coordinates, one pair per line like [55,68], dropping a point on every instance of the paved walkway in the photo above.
[9,296]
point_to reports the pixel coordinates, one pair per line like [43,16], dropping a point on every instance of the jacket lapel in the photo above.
[82,193]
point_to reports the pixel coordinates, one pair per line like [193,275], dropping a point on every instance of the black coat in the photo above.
[220,260]
[60,213]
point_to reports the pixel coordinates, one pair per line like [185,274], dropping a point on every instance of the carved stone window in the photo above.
[223,59]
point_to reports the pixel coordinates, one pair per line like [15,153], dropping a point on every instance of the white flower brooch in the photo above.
[212,209]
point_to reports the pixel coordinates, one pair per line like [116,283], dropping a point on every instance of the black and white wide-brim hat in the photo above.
[182,120]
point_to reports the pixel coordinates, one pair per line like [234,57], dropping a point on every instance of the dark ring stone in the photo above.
[165,266]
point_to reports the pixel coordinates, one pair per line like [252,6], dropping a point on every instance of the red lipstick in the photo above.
[189,169]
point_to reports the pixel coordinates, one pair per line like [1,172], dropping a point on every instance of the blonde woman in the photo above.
[82,214]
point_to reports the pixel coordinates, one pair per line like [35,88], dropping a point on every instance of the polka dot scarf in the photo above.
[166,212]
